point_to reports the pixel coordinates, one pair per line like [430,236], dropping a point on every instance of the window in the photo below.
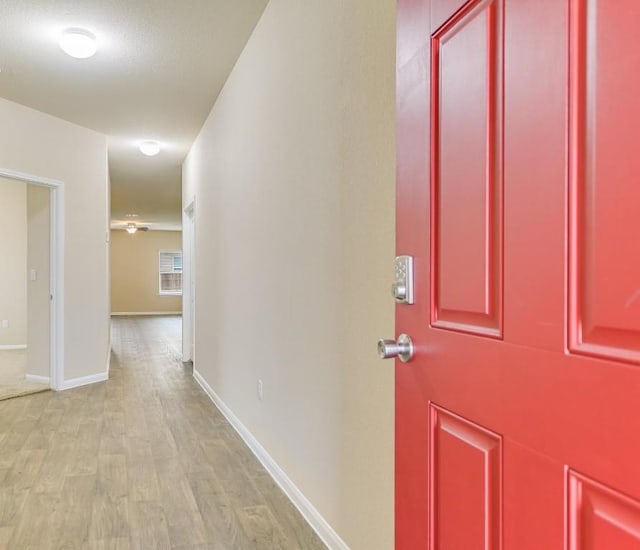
[170,272]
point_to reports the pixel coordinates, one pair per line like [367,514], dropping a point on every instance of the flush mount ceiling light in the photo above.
[132,228]
[149,148]
[78,43]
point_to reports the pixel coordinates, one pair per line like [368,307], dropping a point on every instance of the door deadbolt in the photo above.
[402,287]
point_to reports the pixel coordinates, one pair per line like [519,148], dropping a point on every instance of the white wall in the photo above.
[293,176]
[38,144]
[13,262]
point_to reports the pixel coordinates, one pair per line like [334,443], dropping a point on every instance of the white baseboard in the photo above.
[143,313]
[308,511]
[38,379]
[12,347]
[84,380]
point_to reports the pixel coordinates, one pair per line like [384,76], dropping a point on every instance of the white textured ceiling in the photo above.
[159,68]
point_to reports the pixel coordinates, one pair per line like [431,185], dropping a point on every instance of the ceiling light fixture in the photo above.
[149,148]
[132,228]
[78,43]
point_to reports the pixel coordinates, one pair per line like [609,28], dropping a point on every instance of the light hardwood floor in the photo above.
[143,461]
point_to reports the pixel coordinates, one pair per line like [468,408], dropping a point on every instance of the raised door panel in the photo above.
[600,518]
[604,189]
[466,164]
[465,479]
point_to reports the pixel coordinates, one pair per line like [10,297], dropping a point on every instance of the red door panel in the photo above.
[600,518]
[605,229]
[465,480]
[518,418]
[466,170]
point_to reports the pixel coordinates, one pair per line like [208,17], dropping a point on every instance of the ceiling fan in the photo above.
[132,227]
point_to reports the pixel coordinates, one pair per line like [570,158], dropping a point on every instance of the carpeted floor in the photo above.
[13,366]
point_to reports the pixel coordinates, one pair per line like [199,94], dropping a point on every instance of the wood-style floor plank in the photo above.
[76,508]
[142,461]
[5,536]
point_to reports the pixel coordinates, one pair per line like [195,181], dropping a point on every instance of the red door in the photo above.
[518,418]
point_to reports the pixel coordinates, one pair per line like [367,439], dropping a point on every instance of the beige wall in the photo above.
[134,271]
[293,176]
[35,143]
[13,251]
[38,259]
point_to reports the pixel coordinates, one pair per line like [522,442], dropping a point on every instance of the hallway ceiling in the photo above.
[160,66]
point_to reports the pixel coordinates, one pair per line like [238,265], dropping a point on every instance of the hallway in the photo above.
[143,460]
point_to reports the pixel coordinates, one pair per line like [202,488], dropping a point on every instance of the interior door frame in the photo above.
[56,271]
[188,281]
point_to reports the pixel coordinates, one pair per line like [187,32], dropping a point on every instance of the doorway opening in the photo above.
[31,297]
[146,281]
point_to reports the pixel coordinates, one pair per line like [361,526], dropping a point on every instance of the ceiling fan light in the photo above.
[131,228]
[149,148]
[78,43]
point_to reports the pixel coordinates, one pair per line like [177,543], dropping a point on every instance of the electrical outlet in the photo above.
[5,323]
[260,390]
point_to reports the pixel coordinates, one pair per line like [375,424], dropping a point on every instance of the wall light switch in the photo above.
[5,323]
[33,274]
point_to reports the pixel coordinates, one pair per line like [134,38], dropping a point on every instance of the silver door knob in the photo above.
[402,348]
